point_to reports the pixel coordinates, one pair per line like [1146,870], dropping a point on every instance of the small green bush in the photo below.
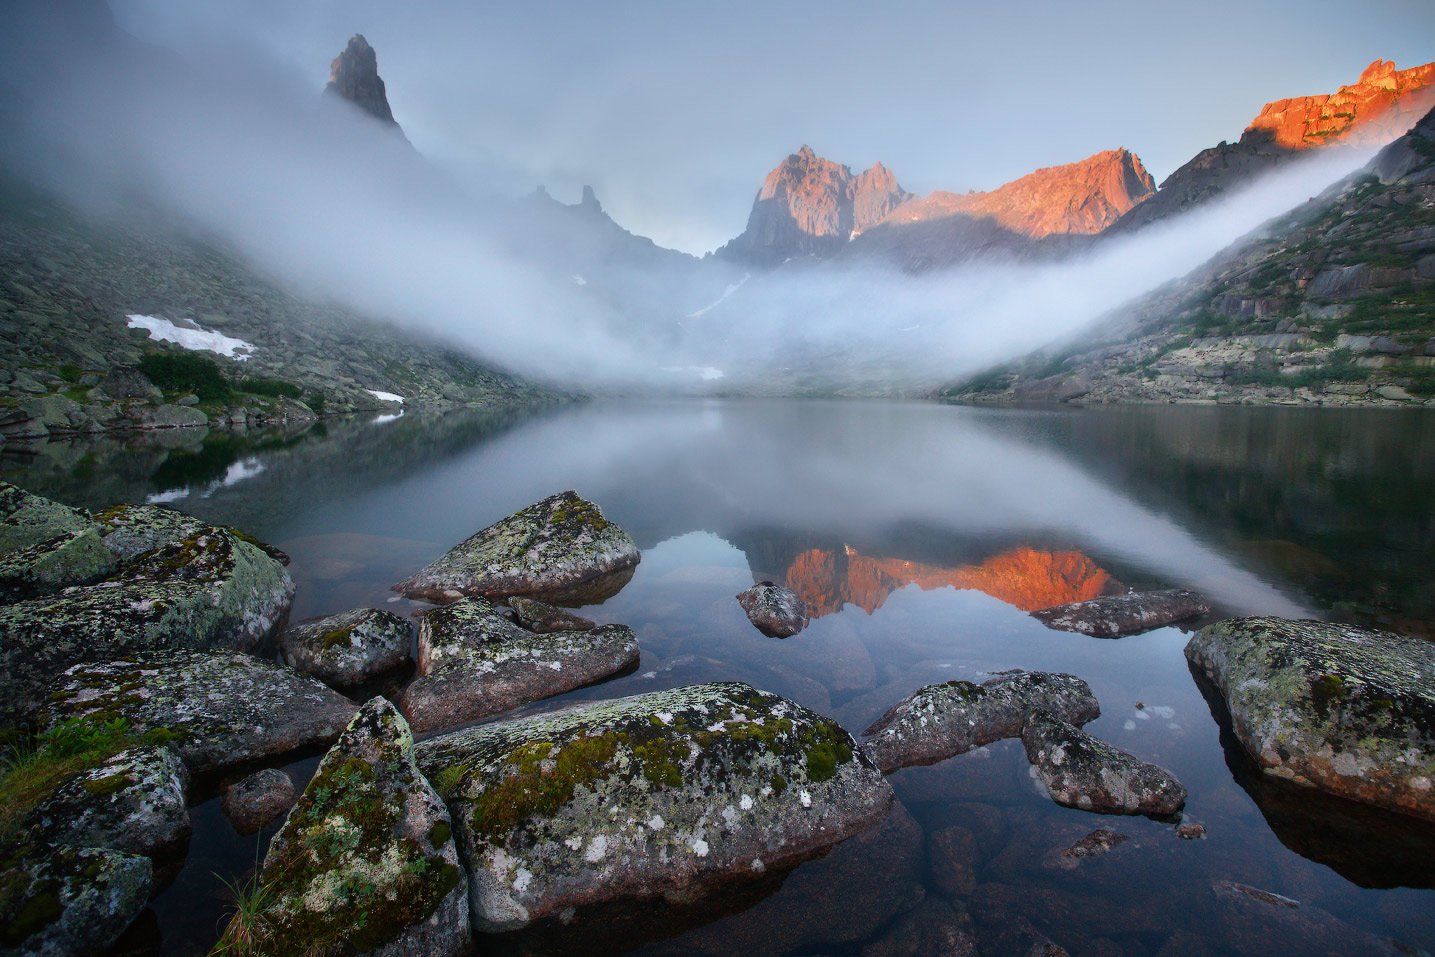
[270,387]
[186,372]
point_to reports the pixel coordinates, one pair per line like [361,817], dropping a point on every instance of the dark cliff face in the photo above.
[354,76]
[1375,110]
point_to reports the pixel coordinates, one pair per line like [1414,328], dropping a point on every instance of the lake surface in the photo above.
[921,534]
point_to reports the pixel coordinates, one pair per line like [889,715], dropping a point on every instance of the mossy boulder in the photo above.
[474,663]
[27,520]
[1082,771]
[74,558]
[940,721]
[1117,615]
[220,709]
[365,863]
[133,801]
[1346,710]
[349,649]
[131,530]
[209,590]
[561,550]
[773,610]
[665,795]
[61,901]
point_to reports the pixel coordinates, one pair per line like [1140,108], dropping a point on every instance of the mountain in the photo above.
[810,206]
[1034,215]
[1380,106]
[354,77]
[1330,304]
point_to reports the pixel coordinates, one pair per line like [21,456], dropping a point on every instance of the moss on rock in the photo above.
[68,900]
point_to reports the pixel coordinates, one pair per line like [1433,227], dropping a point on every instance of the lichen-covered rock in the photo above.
[1118,615]
[254,802]
[75,558]
[1347,710]
[348,649]
[775,611]
[561,549]
[27,519]
[940,721]
[474,663]
[63,901]
[221,709]
[1082,771]
[133,801]
[659,795]
[365,863]
[131,530]
[544,618]
[210,590]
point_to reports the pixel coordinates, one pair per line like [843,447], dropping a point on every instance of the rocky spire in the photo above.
[354,76]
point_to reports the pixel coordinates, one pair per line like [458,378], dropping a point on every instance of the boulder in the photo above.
[220,709]
[544,618]
[561,550]
[775,611]
[74,558]
[131,530]
[1119,615]
[934,929]
[940,721]
[660,795]
[1346,710]
[68,900]
[254,802]
[474,663]
[210,590]
[1096,844]
[365,863]
[1082,771]
[348,649]
[27,519]
[171,417]
[133,801]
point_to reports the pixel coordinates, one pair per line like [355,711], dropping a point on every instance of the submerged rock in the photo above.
[1347,710]
[940,721]
[1096,844]
[365,863]
[219,709]
[561,550]
[1082,771]
[254,802]
[474,663]
[68,900]
[1248,920]
[133,801]
[210,590]
[775,611]
[348,649]
[659,795]
[1118,615]
[544,618]
[934,929]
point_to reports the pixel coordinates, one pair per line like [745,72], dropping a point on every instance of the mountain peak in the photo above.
[354,76]
[590,200]
[1380,106]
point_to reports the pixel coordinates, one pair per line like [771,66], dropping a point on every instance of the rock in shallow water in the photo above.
[254,802]
[775,611]
[474,663]
[1119,615]
[561,550]
[1347,710]
[221,709]
[1082,771]
[365,863]
[659,795]
[348,649]
[944,720]
[543,618]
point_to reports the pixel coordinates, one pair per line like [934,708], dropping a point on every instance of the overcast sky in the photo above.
[675,110]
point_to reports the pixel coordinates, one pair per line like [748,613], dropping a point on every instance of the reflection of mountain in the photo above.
[1028,578]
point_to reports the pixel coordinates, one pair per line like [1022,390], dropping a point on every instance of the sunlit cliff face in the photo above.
[1026,578]
[1383,104]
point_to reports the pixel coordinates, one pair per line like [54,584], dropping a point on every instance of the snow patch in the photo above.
[192,336]
[384,396]
[732,288]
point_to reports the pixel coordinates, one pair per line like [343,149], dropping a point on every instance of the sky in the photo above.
[675,111]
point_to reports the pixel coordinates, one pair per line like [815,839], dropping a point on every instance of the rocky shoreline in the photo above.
[122,696]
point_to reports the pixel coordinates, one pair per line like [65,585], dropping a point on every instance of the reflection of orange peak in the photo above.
[1028,578]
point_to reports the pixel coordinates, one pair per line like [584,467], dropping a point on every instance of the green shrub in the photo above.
[270,387]
[186,372]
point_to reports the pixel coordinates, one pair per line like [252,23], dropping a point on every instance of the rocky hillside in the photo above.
[354,76]
[68,282]
[810,206]
[1331,304]
[1379,107]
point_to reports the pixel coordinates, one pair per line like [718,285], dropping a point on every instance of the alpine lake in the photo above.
[920,535]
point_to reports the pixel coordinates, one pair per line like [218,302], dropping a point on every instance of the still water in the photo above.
[920,535]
